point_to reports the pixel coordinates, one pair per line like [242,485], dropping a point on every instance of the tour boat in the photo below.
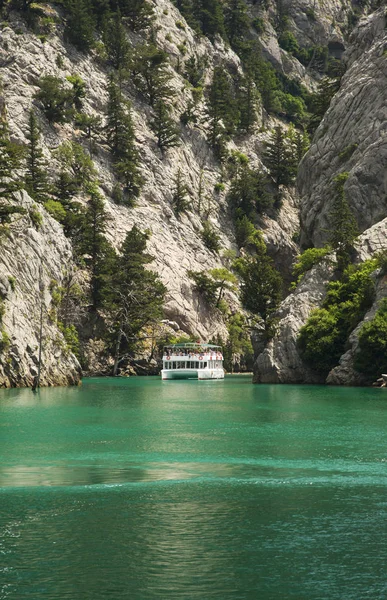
[192,361]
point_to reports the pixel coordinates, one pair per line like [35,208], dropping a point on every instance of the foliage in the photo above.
[321,100]
[56,100]
[164,127]
[36,217]
[279,158]
[55,209]
[308,259]
[238,343]
[211,285]
[261,284]
[78,91]
[210,238]
[247,195]
[322,339]
[244,231]
[138,14]
[77,163]
[236,22]
[222,109]
[80,24]
[71,337]
[116,42]
[343,230]
[121,139]
[11,157]
[136,294]
[93,247]
[371,355]
[36,167]
[150,73]
[180,203]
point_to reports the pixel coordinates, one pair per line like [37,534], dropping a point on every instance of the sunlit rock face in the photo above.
[32,260]
[352,137]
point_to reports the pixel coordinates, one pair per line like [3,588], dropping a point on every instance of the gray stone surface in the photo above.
[24,251]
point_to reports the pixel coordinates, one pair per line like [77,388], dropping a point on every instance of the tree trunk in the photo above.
[117,350]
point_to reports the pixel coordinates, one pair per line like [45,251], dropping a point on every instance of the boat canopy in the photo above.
[193,345]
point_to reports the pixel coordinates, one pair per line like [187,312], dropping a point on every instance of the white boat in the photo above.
[192,361]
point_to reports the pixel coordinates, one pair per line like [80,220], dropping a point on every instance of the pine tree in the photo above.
[116,42]
[91,125]
[236,22]
[279,159]
[343,230]
[301,144]
[136,294]
[11,157]
[327,88]
[121,139]
[150,73]
[222,109]
[97,253]
[180,202]
[164,127]
[36,173]
[209,16]
[248,195]
[261,284]
[248,103]
[138,13]
[80,24]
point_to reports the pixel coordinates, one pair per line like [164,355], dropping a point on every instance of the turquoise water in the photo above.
[140,489]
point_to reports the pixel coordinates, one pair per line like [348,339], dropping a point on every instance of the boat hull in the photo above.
[200,374]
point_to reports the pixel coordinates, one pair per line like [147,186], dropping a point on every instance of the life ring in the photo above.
[168,358]
[201,357]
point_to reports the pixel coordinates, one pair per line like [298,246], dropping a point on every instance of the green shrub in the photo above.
[322,339]
[371,356]
[70,334]
[258,24]
[5,341]
[307,260]
[219,187]
[288,42]
[56,210]
[36,217]
[347,152]
[210,238]
[12,282]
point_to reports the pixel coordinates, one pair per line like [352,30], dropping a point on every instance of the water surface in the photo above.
[142,489]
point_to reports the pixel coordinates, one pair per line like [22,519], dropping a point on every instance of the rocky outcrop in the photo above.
[352,137]
[33,256]
[175,243]
[280,362]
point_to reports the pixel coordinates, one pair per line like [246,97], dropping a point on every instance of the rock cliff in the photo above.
[33,259]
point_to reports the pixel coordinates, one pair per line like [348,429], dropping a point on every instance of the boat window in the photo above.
[205,365]
[173,365]
[196,365]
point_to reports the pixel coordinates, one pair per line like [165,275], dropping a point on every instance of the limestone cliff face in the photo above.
[32,258]
[176,243]
[351,137]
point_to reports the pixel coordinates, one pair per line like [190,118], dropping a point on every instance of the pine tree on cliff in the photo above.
[222,109]
[96,251]
[150,72]
[164,127]
[136,293]
[121,139]
[36,172]
[236,22]
[138,13]
[116,42]
[180,202]
[80,24]
[248,103]
[261,284]
[209,15]
[279,158]
[11,158]
[343,230]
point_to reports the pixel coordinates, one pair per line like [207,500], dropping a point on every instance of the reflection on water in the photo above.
[140,490]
